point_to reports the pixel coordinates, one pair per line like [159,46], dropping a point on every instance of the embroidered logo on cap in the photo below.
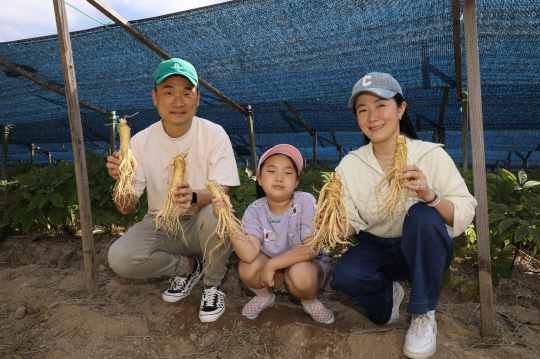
[365,81]
[176,64]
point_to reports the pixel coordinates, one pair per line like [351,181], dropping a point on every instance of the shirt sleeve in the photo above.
[451,186]
[251,222]
[222,164]
[354,216]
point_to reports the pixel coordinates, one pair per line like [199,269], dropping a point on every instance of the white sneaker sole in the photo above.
[330,321]
[413,355]
[171,298]
[208,318]
[252,317]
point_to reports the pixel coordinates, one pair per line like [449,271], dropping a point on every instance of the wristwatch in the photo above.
[194,198]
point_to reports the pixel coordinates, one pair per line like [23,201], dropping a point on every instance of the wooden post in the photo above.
[441,117]
[479,166]
[464,130]
[315,147]
[461,91]
[5,139]
[248,114]
[338,147]
[50,157]
[32,153]
[78,146]
[112,133]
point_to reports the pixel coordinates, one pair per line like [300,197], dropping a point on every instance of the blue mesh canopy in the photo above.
[309,53]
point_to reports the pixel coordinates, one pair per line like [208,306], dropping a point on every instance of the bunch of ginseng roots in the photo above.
[168,217]
[334,224]
[394,198]
[124,187]
[228,224]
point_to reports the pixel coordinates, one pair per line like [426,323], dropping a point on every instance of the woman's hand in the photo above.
[417,182]
[267,275]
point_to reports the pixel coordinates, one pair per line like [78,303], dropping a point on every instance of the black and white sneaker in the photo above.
[212,304]
[182,285]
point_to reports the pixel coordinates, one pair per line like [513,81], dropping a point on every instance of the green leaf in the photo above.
[505,223]
[27,221]
[503,267]
[446,278]
[57,200]
[27,180]
[507,175]
[54,216]
[535,234]
[521,232]
[495,216]
[66,176]
[42,202]
[495,277]
[34,202]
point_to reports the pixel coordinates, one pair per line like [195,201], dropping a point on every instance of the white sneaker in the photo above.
[397,296]
[181,286]
[421,338]
[212,304]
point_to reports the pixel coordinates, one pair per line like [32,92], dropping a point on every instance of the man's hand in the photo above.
[113,165]
[183,195]
[217,204]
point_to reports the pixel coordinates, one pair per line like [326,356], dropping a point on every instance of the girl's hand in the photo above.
[217,204]
[267,275]
[417,182]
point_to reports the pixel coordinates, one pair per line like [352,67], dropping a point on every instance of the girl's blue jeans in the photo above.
[366,271]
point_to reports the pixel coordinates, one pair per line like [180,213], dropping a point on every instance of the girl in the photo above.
[414,242]
[278,223]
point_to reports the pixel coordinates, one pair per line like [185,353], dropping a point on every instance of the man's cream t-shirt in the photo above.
[210,157]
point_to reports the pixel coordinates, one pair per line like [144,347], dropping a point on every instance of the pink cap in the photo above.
[284,149]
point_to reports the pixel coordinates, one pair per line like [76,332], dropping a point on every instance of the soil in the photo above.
[46,313]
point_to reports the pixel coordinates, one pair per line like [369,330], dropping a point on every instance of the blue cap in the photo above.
[379,83]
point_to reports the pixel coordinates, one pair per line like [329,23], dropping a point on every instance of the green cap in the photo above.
[176,66]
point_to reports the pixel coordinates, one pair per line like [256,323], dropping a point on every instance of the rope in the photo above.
[93,18]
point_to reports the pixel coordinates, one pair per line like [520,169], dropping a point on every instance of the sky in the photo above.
[25,19]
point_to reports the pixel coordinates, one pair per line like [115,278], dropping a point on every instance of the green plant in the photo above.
[42,199]
[242,196]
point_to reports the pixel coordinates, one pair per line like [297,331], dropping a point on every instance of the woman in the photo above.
[414,241]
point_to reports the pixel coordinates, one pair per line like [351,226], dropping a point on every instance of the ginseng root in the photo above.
[227,222]
[395,198]
[334,225]
[168,217]
[128,166]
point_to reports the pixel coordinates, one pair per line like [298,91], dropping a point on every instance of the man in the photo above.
[144,251]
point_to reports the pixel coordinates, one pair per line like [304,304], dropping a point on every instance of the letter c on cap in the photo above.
[365,81]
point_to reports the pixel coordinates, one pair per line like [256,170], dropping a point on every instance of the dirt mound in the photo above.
[45,313]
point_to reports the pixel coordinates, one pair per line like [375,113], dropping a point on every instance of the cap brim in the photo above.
[386,94]
[284,149]
[162,78]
